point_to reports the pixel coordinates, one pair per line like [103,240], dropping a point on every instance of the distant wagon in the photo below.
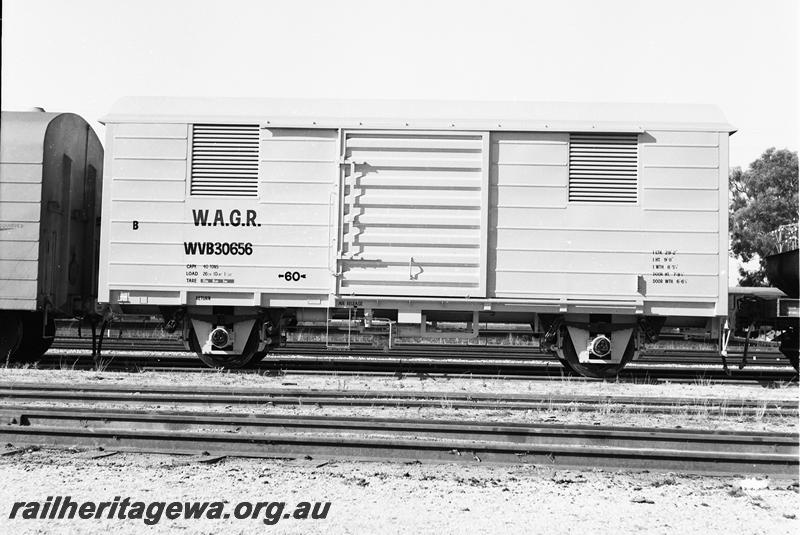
[50,191]
[596,224]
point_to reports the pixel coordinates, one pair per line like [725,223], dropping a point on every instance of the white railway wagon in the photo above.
[594,223]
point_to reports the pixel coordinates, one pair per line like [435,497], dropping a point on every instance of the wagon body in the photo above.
[50,192]
[468,202]
[417,209]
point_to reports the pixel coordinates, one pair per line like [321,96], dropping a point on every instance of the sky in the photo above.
[82,55]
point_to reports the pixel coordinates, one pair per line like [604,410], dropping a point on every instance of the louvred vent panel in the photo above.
[225,160]
[603,168]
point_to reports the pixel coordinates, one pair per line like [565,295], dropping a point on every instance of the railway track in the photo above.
[229,396]
[381,363]
[247,435]
[473,351]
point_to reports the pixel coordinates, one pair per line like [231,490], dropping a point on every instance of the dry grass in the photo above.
[65,365]
[101,364]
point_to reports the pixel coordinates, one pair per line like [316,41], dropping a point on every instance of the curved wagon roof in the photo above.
[421,114]
[22,136]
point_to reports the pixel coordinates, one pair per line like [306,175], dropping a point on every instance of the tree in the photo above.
[763,198]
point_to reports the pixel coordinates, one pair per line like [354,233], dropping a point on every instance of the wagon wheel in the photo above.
[248,357]
[10,335]
[792,356]
[599,371]
[34,343]
[564,363]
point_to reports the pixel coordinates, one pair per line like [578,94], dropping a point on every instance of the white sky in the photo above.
[82,55]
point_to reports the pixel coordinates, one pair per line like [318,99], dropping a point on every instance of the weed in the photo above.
[761,410]
[65,366]
[101,364]
[703,381]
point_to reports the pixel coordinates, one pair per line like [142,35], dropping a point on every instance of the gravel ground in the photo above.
[399,498]
[413,498]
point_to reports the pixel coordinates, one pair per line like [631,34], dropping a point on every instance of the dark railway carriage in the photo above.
[51,168]
[595,224]
[777,309]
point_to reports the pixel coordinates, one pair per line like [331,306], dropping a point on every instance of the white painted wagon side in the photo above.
[155,243]
[684,187]
[414,213]
[298,179]
[658,254]
[145,185]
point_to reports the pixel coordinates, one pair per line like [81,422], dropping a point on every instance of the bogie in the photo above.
[595,367]
[230,337]
[246,356]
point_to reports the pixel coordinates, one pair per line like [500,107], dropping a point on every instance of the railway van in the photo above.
[597,225]
[51,168]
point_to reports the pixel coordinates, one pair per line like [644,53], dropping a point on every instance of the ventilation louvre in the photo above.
[225,160]
[603,168]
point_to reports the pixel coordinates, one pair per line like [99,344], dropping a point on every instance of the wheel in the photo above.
[10,335]
[34,342]
[598,371]
[792,356]
[248,357]
[789,343]
[564,363]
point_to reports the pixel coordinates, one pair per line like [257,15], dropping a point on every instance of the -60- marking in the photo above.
[292,276]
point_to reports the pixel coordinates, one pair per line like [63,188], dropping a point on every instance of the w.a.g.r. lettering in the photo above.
[224,218]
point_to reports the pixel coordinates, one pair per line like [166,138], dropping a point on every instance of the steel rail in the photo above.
[388,363]
[370,398]
[466,351]
[247,435]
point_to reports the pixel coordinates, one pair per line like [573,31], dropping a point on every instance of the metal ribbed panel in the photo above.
[603,168]
[225,160]
[413,209]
